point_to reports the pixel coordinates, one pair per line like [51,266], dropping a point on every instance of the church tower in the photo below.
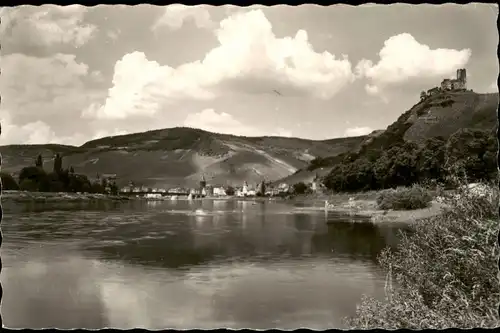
[203,182]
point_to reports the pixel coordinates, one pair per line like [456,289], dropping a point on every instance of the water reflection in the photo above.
[56,292]
[205,263]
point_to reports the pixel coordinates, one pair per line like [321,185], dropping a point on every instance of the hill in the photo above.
[180,156]
[440,115]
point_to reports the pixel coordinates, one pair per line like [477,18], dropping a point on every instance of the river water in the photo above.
[181,264]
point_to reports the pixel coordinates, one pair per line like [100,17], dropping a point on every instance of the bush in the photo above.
[300,188]
[445,271]
[28,185]
[404,198]
[230,191]
[8,182]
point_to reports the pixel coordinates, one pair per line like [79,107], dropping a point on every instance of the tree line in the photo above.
[468,152]
[35,178]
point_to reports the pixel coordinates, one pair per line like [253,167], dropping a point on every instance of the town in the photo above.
[205,190]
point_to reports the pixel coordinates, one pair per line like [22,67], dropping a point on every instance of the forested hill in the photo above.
[438,116]
[447,133]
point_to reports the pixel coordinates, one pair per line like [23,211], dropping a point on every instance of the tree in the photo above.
[472,151]
[430,160]
[230,190]
[53,183]
[404,169]
[79,183]
[39,161]
[58,164]
[28,185]
[8,182]
[33,173]
[262,189]
[96,188]
[113,188]
[362,177]
[300,188]
[381,170]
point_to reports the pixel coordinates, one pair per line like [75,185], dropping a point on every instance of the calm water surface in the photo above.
[180,264]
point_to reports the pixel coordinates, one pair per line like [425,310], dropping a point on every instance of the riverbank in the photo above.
[365,204]
[426,292]
[24,196]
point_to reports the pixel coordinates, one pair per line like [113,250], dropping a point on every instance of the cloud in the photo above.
[403,58]
[45,25]
[42,98]
[223,123]
[249,59]
[39,132]
[175,15]
[371,89]
[31,133]
[493,87]
[113,35]
[58,70]
[283,133]
[358,131]
[38,87]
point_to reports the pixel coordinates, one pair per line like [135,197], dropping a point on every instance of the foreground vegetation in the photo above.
[444,272]
[402,198]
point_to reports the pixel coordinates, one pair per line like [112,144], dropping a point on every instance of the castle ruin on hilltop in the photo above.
[458,84]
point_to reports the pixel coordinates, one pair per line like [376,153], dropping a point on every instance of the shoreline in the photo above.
[26,196]
[363,203]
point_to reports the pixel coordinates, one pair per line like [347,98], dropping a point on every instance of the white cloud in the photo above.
[224,123]
[39,132]
[248,59]
[41,86]
[41,95]
[283,132]
[371,89]
[403,58]
[493,87]
[46,25]
[58,70]
[175,15]
[113,35]
[358,131]
[31,133]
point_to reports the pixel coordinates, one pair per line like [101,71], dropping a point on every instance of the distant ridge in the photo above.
[181,156]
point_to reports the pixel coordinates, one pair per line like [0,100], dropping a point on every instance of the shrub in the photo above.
[404,198]
[28,185]
[445,271]
[8,182]
[230,190]
[300,188]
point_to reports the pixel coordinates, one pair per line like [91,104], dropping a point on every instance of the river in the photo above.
[181,264]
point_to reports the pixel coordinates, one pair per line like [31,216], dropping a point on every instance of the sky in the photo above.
[72,74]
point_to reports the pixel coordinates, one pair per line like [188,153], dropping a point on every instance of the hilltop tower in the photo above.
[462,75]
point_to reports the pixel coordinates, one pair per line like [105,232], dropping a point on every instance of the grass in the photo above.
[445,271]
[404,198]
